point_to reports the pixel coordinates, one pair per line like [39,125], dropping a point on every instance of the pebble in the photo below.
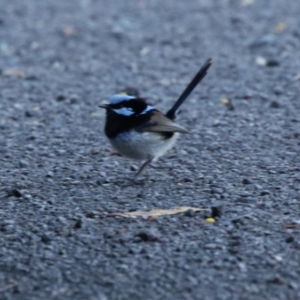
[60,98]
[50,174]
[78,224]
[45,239]
[74,99]
[148,236]
[23,163]
[133,168]
[289,239]
[190,213]
[29,147]
[274,104]
[15,193]
[246,181]
[265,193]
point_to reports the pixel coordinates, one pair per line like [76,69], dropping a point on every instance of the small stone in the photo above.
[31,77]
[186,179]
[165,82]
[133,168]
[272,63]
[265,193]
[63,220]
[289,239]
[90,215]
[117,32]
[148,236]
[294,285]
[61,151]
[275,280]
[211,246]
[264,96]
[50,174]
[95,151]
[278,90]
[74,99]
[183,152]
[29,147]
[216,191]
[14,193]
[192,150]
[78,224]
[274,104]
[228,103]
[60,98]
[246,181]
[266,40]
[27,197]
[31,138]
[261,61]
[100,181]
[45,239]
[245,194]
[28,114]
[190,213]
[103,174]
[23,163]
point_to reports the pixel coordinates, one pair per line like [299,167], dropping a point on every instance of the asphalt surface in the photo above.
[58,183]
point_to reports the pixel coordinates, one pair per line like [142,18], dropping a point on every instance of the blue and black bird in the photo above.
[138,130]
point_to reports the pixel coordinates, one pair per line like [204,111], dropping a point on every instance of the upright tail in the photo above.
[198,77]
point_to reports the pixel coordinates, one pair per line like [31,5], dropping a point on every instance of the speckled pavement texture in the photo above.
[58,183]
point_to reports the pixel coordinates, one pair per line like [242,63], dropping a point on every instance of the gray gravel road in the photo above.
[58,184]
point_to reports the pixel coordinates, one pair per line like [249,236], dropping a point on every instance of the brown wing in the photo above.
[160,123]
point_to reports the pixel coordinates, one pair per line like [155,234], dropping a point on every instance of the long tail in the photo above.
[199,76]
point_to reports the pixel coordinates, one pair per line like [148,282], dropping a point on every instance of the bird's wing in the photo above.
[160,123]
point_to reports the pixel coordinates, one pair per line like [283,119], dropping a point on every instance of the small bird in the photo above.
[139,131]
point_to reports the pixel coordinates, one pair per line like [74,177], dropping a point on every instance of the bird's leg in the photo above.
[142,168]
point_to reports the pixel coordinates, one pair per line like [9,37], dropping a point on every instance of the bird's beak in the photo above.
[104,106]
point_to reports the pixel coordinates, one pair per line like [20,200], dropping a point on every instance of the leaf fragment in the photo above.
[281,26]
[14,73]
[210,220]
[157,212]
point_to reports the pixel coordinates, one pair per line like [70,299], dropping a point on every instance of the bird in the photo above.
[139,131]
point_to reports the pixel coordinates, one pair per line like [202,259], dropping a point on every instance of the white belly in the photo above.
[142,146]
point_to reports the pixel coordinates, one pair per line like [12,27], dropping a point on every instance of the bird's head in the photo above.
[126,105]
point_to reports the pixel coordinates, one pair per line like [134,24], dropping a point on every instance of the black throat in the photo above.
[116,123]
